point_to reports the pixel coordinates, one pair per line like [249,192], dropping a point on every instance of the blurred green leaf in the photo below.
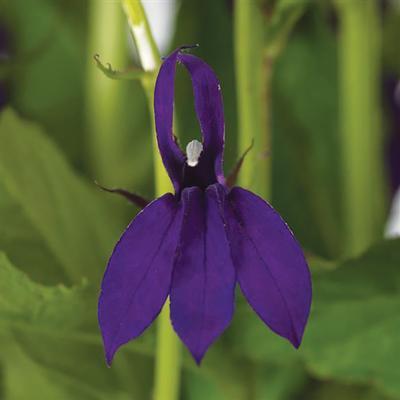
[71,218]
[353,329]
[53,327]
[30,308]
[24,245]
[330,390]
[305,146]
[391,32]
[224,377]
[285,14]
[47,79]
[23,302]
[74,223]
[198,387]
[281,383]
[37,382]
[353,334]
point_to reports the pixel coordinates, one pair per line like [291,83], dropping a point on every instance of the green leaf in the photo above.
[71,217]
[352,335]
[24,245]
[37,384]
[329,390]
[285,14]
[305,145]
[44,383]
[391,32]
[222,376]
[198,387]
[281,383]
[53,327]
[49,50]
[23,302]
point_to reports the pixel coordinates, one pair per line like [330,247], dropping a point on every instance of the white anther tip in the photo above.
[193,152]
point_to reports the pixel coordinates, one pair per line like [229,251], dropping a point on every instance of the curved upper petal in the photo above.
[138,276]
[210,113]
[203,282]
[270,265]
[164,92]
[209,108]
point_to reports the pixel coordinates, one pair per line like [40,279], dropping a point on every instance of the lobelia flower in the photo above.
[196,244]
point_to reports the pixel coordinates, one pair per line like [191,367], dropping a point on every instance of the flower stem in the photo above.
[104,96]
[150,60]
[168,361]
[253,75]
[361,138]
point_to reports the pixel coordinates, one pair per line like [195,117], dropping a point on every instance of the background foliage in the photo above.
[58,134]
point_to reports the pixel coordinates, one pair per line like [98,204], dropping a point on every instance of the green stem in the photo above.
[150,60]
[168,358]
[253,75]
[361,138]
[104,97]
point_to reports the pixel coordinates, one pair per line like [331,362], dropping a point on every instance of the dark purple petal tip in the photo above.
[272,271]
[203,282]
[138,276]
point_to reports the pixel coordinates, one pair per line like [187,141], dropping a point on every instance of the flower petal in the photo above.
[270,265]
[202,290]
[138,276]
[209,109]
[171,154]
[210,113]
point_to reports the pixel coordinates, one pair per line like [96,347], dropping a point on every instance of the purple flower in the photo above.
[5,50]
[196,244]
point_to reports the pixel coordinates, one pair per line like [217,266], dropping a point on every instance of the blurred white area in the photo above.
[162,16]
[393,225]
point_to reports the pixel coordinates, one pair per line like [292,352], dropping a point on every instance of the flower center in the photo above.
[193,152]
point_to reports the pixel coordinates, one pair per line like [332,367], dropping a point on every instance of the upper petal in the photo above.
[164,92]
[138,276]
[271,268]
[202,290]
[209,110]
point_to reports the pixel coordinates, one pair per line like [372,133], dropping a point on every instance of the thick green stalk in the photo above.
[253,73]
[361,131]
[168,361]
[104,96]
[150,60]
